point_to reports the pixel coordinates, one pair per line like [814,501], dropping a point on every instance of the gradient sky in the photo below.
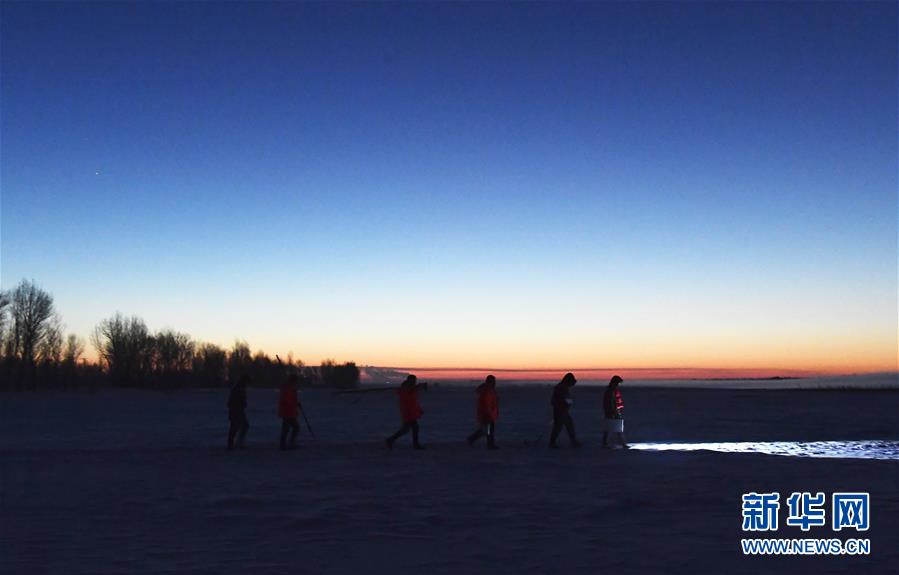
[522,186]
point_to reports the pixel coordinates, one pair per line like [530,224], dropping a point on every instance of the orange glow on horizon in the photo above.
[534,352]
[603,374]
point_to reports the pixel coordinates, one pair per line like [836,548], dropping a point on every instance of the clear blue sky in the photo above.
[525,185]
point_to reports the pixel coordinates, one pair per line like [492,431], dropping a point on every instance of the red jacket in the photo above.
[488,404]
[410,409]
[613,403]
[287,401]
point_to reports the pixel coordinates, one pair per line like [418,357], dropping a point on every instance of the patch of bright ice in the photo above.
[869,449]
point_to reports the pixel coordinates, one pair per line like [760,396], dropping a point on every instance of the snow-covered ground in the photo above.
[140,482]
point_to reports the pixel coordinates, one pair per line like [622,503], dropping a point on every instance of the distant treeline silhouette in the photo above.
[37,354]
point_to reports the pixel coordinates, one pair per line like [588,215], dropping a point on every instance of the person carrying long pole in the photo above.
[288,410]
[487,413]
[410,411]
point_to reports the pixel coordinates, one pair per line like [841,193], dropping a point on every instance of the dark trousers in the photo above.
[239,427]
[413,425]
[293,426]
[561,418]
[489,428]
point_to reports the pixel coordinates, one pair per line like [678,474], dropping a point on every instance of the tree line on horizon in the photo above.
[36,353]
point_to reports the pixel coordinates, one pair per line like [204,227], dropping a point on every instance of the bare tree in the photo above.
[4,314]
[50,348]
[31,312]
[240,360]
[173,351]
[125,346]
[73,350]
[210,363]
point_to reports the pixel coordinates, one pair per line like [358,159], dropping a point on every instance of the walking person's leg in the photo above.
[491,435]
[605,438]
[232,431]
[401,431]
[294,429]
[242,434]
[557,428]
[285,427]
[415,442]
[475,435]
[621,436]
[569,427]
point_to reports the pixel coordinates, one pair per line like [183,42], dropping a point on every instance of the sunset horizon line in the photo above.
[653,373]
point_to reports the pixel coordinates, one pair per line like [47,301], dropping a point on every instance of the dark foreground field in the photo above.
[140,482]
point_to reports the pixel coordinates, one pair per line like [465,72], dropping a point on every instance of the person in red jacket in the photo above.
[288,410]
[561,402]
[487,413]
[410,411]
[613,408]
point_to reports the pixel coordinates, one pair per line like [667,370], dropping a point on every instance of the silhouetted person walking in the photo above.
[561,402]
[613,408]
[487,413]
[288,410]
[237,412]
[410,411]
